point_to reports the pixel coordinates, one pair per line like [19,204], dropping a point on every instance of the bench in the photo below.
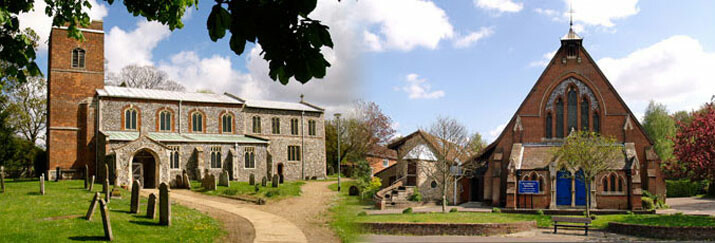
[573,222]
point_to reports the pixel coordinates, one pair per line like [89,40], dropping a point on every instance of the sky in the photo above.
[473,60]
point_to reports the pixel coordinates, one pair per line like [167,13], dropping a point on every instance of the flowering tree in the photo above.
[695,145]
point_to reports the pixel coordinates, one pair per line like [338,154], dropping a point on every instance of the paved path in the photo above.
[268,227]
[538,235]
[689,205]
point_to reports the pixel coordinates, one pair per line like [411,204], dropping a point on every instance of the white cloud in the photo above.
[202,73]
[494,133]
[126,48]
[473,37]
[544,60]
[675,71]
[42,24]
[419,88]
[597,13]
[499,5]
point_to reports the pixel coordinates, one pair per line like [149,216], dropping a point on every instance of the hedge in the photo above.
[685,187]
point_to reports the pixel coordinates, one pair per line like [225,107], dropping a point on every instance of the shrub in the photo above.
[453,210]
[415,197]
[648,203]
[371,188]
[363,213]
[683,188]
[496,210]
[407,211]
[540,212]
[658,203]
[593,217]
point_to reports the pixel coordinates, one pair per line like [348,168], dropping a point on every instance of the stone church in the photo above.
[571,94]
[155,135]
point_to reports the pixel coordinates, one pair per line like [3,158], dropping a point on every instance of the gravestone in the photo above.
[274,183]
[151,206]
[209,182]
[2,178]
[187,183]
[251,179]
[105,220]
[223,179]
[164,205]
[179,181]
[92,206]
[107,196]
[134,205]
[353,191]
[42,184]
[91,184]
[58,177]
[106,171]
[264,182]
[115,193]
[106,190]
[86,176]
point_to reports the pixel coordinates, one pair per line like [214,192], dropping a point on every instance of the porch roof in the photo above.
[187,137]
[538,156]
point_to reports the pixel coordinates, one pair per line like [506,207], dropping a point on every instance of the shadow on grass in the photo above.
[144,223]
[120,211]
[34,193]
[87,238]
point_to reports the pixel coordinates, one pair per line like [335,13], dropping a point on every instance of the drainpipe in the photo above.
[302,145]
[179,118]
[97,124]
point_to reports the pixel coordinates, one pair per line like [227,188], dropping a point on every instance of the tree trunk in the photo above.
[711,189]
[588,199]
[444,196]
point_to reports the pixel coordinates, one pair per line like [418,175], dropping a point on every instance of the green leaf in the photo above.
[306,6]
[237,44]
[219,20]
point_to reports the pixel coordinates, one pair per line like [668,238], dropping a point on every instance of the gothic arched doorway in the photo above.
[563,188]
[144,169]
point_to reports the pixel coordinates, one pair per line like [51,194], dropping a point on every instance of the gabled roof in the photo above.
[185,137]
[154,94]
[382,152]
[434,142]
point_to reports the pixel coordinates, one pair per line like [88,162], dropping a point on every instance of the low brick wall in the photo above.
[447,228]
[664,232]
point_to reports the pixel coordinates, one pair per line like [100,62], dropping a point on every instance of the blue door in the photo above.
[580,189]
[563,188]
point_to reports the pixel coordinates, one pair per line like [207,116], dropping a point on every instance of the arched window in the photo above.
[613,182]
[620,185]
[165,120]
[256,124]
[78,58]
[572,110]
[549,125]
[596,123]
[227,123]
[215,157]
[130,119]
[584,114]
[249,159]
[605,183]
[559,118]
[197,122]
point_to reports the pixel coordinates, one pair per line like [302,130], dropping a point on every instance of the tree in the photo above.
[17,48]
[28,108]
[450,142]
[695,145]
[590,153]
[476,143]
[291,41]
[661,128]
[143,77]
[361,129]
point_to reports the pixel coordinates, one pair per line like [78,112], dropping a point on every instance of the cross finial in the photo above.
[570,14]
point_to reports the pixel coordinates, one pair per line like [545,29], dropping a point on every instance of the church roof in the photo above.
[185,137]
[571,35]
[537,156]
[226,98]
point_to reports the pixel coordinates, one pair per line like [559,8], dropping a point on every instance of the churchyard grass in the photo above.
[268,193]
[344,212]
[27,216]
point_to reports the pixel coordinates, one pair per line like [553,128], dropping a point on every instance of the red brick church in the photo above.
[571,94]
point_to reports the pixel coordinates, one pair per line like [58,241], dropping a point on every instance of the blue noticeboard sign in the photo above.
[528,187]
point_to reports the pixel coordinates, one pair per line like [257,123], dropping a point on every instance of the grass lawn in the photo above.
[344,212]
[268,193]
[27,216]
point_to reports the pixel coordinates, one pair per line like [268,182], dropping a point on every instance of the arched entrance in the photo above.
[144,169]
[229,165]
[563,188]
[280,172]
[580,186]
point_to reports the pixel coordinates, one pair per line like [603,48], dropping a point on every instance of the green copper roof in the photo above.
[189,137]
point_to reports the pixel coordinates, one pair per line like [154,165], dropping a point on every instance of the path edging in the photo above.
[447,228]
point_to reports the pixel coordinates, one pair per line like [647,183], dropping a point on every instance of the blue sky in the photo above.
[471,60]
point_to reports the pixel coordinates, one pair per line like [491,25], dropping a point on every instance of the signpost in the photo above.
[530,188]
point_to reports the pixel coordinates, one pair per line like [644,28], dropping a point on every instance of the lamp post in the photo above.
[337,117]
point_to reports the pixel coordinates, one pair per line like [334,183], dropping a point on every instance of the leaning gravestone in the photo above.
[105,220]
[274,183]
[223,179]
[251,179]
[91,184]
[2,178]
[353,191]
[164,205]
[42,184]
[58,177]
[86,176]
[187,182]
[264,182]
[151,206]
[134,206]
[106,191]
[179,181]
[105,186]
[92,206]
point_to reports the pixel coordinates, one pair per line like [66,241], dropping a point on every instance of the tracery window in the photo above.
[165,120]
[227,123]
[249,158]
[174,157]
[130,119]
[216,157]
